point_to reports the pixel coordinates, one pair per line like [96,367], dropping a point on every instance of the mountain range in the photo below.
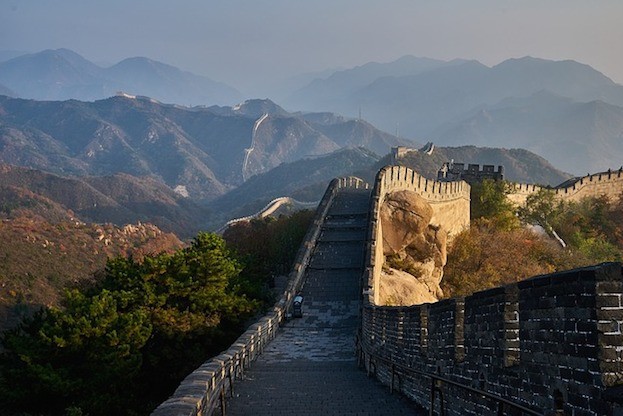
[231,159]
[62,74]
[74,171]
[442,101]
[575,136]
[200,152]
[305,180]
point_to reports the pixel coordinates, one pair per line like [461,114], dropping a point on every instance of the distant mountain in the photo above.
[62,74]
[204,152]
[576,137]
[53,75]
[166,83]
[324,94]
[423,102]
[119,199]
[10,54]
[257,108]
[451,104]
[519,165]
[352,133]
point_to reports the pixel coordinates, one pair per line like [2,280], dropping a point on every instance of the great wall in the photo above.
[550,344]
[608,183]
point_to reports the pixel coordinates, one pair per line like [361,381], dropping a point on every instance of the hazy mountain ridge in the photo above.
[442,104]
[576,137]
[350,80]
[63,74]
[304,180]
[207,151]
[6,91]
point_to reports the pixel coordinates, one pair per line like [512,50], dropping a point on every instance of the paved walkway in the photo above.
[310,368]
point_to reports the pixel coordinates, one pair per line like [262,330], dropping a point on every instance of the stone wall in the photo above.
[554,335]
[595,185]
[449,200]
[201,392]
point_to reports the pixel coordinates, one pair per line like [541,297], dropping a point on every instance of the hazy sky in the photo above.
[254,43]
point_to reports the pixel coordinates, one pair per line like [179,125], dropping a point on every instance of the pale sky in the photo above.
[254,44]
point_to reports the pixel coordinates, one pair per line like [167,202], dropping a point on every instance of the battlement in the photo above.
[552,337]
[608,183]
[471,173]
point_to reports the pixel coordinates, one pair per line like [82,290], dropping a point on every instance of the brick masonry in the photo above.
[550,335]
[549,343]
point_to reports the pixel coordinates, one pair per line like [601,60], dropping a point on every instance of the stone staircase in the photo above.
[310,367]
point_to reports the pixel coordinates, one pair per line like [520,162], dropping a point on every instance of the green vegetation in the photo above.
[498,250]
[41,258]
[591,228]
[489,201]
[123,345]
[270,251]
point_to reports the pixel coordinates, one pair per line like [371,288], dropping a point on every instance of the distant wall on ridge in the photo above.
[608,183]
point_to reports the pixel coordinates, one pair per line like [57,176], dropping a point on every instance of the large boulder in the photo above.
[412,246]
[400,288]
[404,216]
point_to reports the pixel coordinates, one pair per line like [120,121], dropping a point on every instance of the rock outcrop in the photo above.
[414,249]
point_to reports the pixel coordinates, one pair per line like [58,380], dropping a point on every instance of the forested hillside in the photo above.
[121,343]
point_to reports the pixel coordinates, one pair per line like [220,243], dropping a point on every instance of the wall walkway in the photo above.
[310,367]
[550,343]
[302,366]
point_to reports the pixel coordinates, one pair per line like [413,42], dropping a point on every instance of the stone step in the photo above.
[309,368]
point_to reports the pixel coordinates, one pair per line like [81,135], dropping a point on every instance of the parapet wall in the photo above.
[546,339]
[203,390]
[449,200]
[605,183]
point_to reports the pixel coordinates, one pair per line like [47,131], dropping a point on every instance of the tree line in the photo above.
[123,345]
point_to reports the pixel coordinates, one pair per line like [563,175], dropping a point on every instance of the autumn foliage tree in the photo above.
[485,256]
[488,200]
[498,249]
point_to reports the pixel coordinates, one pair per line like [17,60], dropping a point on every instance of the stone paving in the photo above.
[310,367]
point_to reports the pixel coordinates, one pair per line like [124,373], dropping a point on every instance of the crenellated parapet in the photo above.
[549,342]
[609,183]
[451,171]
